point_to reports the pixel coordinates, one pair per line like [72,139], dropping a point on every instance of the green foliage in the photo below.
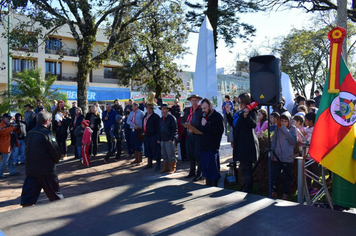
[157,39]
[28,86]
[85,19]
[224,18]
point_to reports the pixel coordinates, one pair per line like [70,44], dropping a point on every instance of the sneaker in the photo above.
[118,159]
[313,191]
[106,160]
[15,174]
[3,177]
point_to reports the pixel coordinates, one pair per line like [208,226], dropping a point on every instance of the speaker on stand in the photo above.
[266,90]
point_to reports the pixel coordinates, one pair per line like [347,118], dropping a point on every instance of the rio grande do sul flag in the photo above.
[333,140]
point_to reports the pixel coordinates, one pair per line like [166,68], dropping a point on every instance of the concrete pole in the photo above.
[342,22]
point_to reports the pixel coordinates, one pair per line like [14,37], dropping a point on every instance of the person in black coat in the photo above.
[150,129]
[245,144]
[95,124]
[193,116]
[76,122]
[72,115]
[42,154]
[212,129]
[61,129]
[176,109]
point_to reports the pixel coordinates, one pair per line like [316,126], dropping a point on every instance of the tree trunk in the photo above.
[342,22]
[212,13]
[158,91]
[82,92]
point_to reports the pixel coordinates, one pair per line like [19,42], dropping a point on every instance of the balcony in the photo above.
[26,49]
[63,52]
[101,79]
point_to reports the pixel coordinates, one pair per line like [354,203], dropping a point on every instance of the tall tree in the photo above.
[223,16]
[158,38]
[304,57]
[85,18]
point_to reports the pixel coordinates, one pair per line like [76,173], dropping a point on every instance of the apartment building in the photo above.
[58,55]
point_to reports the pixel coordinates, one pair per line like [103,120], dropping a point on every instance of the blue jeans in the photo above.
[19,152]
[79,150]
[277,169]
[7,158]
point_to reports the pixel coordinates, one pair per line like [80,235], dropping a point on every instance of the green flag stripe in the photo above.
[327,97]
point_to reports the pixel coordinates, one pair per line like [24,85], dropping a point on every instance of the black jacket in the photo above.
[152,126]
[97,121]
[246,147]
[168,129]
[22,134]
[196,122]
[63,128]
[78,122]
[212,132]
[175,111]
[42,152]
[118,108]
[72,112]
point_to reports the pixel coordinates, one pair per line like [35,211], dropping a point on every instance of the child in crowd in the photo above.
[117,136]
[283,142]
[298,122]
[302,110]
[274,120]
[262,122]
[86,141]
[78,132]
[314,168]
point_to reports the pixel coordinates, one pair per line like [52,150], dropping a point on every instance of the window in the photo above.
[109,73]
[53,44]
[219,87]
[189,87]
[53,67]
[22,64]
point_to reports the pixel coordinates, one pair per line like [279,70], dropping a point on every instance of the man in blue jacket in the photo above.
[108,118]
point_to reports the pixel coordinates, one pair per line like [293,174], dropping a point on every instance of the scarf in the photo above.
[190,116]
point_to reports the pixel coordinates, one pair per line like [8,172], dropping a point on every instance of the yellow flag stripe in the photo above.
[340,160]
[333,67]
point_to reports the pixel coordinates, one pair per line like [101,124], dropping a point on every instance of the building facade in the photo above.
[57,55]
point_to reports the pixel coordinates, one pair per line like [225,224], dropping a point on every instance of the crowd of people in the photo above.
[198,129]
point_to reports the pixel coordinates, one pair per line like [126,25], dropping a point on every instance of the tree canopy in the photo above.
[157,39]
[224,18]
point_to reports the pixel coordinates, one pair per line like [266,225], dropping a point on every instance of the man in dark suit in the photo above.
[150,129]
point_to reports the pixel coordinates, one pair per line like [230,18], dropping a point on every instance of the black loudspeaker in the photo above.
[265,80]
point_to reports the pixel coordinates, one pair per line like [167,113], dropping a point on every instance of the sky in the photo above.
[268,26]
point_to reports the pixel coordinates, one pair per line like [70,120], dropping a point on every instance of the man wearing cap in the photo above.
[317,98]
[28,115]
[143,104]
[128,107]
[117,107]
[150,129]
[135,120]
[5,146]
[108,119]
[42,154]
[193,116]
[166,133]
[212,129]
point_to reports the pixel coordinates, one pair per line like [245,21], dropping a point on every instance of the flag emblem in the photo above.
[342,109]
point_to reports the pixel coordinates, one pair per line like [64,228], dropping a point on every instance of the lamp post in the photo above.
[8,57]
